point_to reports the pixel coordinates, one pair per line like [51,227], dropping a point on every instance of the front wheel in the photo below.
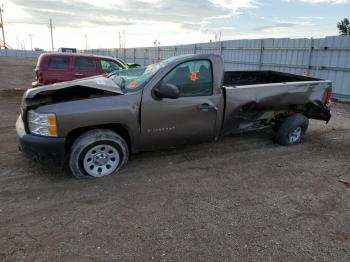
[292,130]
[98,153]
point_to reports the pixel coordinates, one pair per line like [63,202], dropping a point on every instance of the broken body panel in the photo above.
[252,103]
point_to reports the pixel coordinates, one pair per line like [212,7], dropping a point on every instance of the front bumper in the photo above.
[40,148]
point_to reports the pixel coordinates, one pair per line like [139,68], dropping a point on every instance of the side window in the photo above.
[109,66]
[85,64]
[192,78]
[58,63]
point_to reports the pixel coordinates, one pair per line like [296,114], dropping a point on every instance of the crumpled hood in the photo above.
[96,82]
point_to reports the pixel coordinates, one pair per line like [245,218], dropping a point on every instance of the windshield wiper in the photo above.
[112,73]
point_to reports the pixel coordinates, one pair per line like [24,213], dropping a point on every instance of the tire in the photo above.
[98,153]
[292,130]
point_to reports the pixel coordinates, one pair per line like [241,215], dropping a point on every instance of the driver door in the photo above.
[84,67]
[188,119]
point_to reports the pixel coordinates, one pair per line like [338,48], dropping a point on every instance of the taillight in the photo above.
[328,96]
[39,77]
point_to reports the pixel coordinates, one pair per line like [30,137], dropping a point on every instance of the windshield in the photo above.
[133,79]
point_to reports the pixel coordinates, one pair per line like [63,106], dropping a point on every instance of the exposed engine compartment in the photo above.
[72,93]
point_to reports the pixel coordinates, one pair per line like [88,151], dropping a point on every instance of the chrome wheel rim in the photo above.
[295,136]
[101,160]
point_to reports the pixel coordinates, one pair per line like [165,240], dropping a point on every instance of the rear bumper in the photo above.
[320,113]
[36,84]
[38,148]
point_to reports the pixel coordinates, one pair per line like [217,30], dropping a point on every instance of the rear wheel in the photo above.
[292,130]
[98,153]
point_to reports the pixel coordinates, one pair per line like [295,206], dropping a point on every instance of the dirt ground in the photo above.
[16,72]
[241,199]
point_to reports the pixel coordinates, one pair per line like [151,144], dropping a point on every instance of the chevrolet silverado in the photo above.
[95,123]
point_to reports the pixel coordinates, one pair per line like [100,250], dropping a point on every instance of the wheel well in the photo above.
[118,128]
[281,115]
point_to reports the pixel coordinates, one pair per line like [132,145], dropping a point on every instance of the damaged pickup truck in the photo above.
[94,123]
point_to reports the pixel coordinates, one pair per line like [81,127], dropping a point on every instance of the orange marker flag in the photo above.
[193,76]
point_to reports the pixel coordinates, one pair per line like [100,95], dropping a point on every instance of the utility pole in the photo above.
[2,26]
[156,49]
[156,43]
[51,27]
[120,44]
[31,41]
[124,38]
[85,42]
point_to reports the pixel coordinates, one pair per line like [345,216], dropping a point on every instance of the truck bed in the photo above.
[254,97]
[242,78]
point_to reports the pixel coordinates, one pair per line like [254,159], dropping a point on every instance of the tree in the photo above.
[344,27]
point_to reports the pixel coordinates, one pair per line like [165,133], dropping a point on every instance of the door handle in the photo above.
[79,74]
[207,107]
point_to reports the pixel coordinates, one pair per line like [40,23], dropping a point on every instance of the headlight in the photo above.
[42,124]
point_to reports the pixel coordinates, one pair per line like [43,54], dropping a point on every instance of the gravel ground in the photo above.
[241,199]
[17,72]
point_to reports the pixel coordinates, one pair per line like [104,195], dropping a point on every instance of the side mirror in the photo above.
[166,91]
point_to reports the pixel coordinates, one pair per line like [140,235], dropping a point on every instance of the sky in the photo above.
[96,24]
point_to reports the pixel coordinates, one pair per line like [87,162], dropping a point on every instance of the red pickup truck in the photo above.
[59,67]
